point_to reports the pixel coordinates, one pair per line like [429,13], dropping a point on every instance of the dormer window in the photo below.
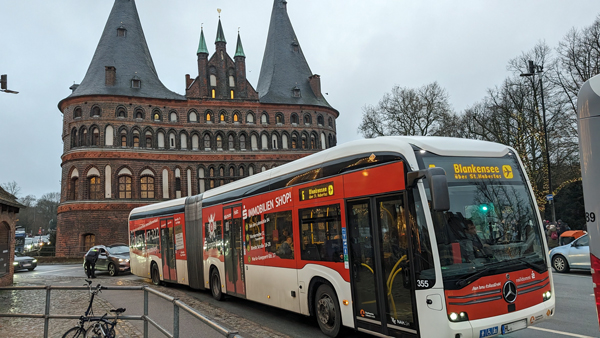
[295,47]
[296,92]
[136,82]
[121,31]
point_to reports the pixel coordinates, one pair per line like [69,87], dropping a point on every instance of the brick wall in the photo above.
[8,217]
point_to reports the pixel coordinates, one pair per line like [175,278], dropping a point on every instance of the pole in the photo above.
[547,150]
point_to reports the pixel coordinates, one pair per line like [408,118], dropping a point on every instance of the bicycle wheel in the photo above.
[75,332]
[100,330]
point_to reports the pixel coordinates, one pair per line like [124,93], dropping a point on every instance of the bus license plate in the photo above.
[514,326]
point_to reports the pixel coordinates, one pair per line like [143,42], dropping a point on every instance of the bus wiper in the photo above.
[535,267]
[464,281]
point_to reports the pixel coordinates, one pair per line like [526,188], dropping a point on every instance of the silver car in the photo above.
[575,255]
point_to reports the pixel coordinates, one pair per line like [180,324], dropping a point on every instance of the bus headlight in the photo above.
[547,295]
[458,317]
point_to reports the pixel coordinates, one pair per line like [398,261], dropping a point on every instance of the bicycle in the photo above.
[80,330]
[104,328]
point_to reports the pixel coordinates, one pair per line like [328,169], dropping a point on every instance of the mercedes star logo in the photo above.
[509,291]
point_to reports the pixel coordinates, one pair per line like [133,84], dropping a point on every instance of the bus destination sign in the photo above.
[317,191]
[475,169]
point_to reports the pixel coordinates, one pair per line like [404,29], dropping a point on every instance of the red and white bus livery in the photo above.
[385,236]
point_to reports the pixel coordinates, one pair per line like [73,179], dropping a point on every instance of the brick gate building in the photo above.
[129,141]
[9,210]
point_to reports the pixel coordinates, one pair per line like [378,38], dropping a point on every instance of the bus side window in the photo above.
[321,230]
[279,234]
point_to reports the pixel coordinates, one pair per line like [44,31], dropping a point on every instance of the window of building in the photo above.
[236,117]
[84,138]
[313,142]
[250,118]
[173,116]
[284,141]
[264,141]
[73,138]
[125,187]
[241,172]
[201,180]
[136,83]
[231,81]
[294,142]
[264,118]
[296,92]
[221,176]
[172,141]
[330,122]
[193,117]
[320,120]
[254,142]
[231,145]
[279,234]
[73,188]
[121,31]
[183,141]
[222,117]
[123,140]
[156,116]
[95,111]
[207,142]
[208,117]
[213,80]
[121,112]
[147,187]
[211,174]
[148,140]
[306,119]
[178,184]
[95,188]
[89,240]
[219,142]
[195,142]
[95,136]
[250,170]
[242,142]
[294,119]
[77,113]
[136,139]
[279,119]
[321,234]
[274,142]
[304,142]
[139,114]
[213,93]
[232,94]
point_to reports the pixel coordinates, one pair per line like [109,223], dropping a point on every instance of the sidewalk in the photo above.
[75,302]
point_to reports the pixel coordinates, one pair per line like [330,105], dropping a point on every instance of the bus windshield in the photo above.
[492,226]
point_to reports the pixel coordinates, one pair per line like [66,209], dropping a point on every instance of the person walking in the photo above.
[90,262]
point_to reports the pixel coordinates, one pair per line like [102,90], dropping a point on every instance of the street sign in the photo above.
[549,197]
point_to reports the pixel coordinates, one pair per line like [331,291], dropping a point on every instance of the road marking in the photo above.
[40,272]
[560,332]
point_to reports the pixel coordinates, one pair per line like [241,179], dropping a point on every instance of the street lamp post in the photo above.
[537,69]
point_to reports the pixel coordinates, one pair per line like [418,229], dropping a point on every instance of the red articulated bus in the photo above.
[384,236]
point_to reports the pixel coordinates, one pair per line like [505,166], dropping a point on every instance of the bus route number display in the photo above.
[317,191]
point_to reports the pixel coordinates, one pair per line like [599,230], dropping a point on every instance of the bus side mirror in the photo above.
[438,185]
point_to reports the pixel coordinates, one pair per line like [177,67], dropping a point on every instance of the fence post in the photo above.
[47,312]
[175,319]
[145,312]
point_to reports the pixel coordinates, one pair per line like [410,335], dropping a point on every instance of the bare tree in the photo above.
[12,188]
[408,111]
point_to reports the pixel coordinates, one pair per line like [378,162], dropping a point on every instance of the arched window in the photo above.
[294,118]
[263,168]
[83,137]
[264,118]
[213,80]
[193,117]
[109,136]
[95,188]
[219,142]
[304,142]
[73,138]
[173,116]
[77,113]
[284,141]
[211,174]
[139,114]
[147,187]
[195,142]
[201,180]
[320,120]
[231,81]
[222,117]
[279,119]
[231,145]
[221,175]
[73,188]
[208,117]
[313,142]
[136,139]
[330,122]
[264,141]
[274,141]
[236,117]
[231,174]
[294,142]
[148,140]
[95,111]
[123,138]
[161,140]
[250,118]
[121,112]
[250,171]
[156,116]
[95,137]
[207,142]
[306,119]
[172,141]
[124,187]
[183,140]
[241,172]
[242,142]
[323,141]
[254,142]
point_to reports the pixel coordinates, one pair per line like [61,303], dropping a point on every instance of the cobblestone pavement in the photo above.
[71,302]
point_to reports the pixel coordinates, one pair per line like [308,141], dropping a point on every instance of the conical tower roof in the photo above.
[220,34]
[284,67]
[123,46]
[202,45]
[239,49]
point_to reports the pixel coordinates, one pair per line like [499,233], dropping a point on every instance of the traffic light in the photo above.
[3,81]
[484,208]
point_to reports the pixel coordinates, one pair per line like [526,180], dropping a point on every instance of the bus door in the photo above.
[378,242]
[234,251]
[167,249]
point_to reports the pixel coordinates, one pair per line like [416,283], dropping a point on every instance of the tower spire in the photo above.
[285,76]
[220,34]
[239,49]
[122,64]
[202,45]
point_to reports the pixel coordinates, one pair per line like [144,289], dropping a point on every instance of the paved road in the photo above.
[575,311]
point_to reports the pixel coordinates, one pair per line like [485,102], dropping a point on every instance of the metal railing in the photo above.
[177,304]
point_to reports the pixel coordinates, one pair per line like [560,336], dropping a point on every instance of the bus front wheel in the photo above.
[327,309]
[215,285]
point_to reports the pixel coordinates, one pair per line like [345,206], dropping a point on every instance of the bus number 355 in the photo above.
[422,283]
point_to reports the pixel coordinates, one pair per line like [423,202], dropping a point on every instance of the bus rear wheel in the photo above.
[155,275]
[327,309]
[215,285]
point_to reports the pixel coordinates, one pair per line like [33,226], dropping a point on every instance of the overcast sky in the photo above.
[360,48]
